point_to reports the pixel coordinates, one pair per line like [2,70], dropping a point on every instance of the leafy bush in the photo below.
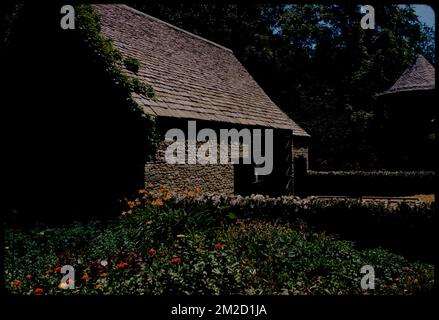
[406,226]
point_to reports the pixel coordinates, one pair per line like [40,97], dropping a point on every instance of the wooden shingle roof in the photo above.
[193,78]
[419,76]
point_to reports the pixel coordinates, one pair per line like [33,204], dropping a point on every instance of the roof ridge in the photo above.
[174,27]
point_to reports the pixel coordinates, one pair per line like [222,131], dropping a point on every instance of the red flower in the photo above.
[29,276]
[57,269]
[152,251]
[122,265]
[16,283]
[218,246]
[39,291]
[85,277]
[175,260]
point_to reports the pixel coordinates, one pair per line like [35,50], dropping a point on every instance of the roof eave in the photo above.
[413,90]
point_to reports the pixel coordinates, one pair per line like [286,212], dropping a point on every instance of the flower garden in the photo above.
[171,242]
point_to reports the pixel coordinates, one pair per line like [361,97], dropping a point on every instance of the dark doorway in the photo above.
[300,172]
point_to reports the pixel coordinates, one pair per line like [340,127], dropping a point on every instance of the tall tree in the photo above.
[317,64]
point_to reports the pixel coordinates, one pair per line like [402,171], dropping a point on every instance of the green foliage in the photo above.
[132,64]
[247,257]
[111,60]
[167,243]
[141,88]
[398,226]
[89,26]
[110,57]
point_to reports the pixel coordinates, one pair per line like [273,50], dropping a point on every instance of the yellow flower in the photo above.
[6,248]
[149,222]
[180,236]
[157,202]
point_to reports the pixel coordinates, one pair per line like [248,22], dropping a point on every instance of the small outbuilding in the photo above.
[410,113]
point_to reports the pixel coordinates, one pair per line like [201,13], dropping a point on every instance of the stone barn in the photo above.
[197,79]
[76,146]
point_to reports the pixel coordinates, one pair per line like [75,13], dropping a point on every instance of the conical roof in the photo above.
[419,76]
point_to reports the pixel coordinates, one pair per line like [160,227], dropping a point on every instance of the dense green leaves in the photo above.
[108,56]
[247,257]
[318,65]
[174,244]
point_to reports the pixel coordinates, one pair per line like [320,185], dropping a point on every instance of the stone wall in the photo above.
[209,178]
[220,178]
[300,148]
[300,164]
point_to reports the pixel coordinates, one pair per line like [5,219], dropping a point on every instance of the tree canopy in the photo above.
[317,64]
